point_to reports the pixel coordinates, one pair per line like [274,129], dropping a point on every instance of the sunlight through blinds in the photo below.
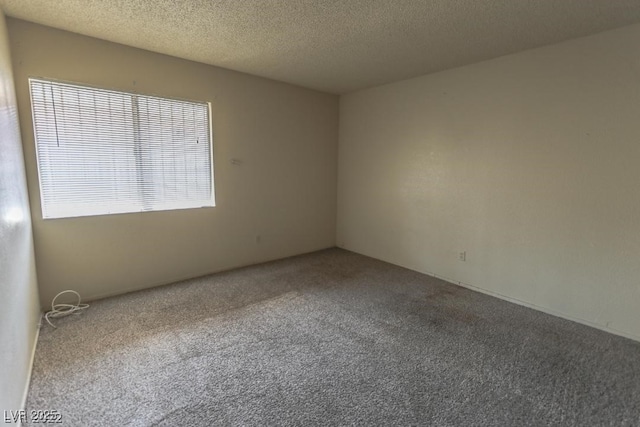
[105,152]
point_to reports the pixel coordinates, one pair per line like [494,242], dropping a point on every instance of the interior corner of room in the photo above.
[515,176]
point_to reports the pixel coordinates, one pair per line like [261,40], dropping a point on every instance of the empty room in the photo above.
[319,212]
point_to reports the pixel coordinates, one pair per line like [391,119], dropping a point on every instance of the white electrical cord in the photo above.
[61,310]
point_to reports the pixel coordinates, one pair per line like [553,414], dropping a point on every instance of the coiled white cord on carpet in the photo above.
[61,310]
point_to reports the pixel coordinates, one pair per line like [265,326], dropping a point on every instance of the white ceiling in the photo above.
[335,46]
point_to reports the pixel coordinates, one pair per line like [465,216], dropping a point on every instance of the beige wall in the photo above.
[530,163]
[20,312]
[280,201]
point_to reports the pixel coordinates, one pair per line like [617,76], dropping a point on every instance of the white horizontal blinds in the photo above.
[175,146]
[102,152]
[84,141]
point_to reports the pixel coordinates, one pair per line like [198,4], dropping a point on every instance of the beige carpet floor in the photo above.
[329,338]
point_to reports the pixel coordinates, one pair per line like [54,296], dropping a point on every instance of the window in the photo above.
[106,152]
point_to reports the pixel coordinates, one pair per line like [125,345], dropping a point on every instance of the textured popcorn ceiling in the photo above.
[331,45]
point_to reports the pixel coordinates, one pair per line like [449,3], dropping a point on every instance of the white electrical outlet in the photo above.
[462,256]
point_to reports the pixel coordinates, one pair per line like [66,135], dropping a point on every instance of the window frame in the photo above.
[135,95]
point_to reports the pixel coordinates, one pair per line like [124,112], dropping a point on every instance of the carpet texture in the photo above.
[329,338]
